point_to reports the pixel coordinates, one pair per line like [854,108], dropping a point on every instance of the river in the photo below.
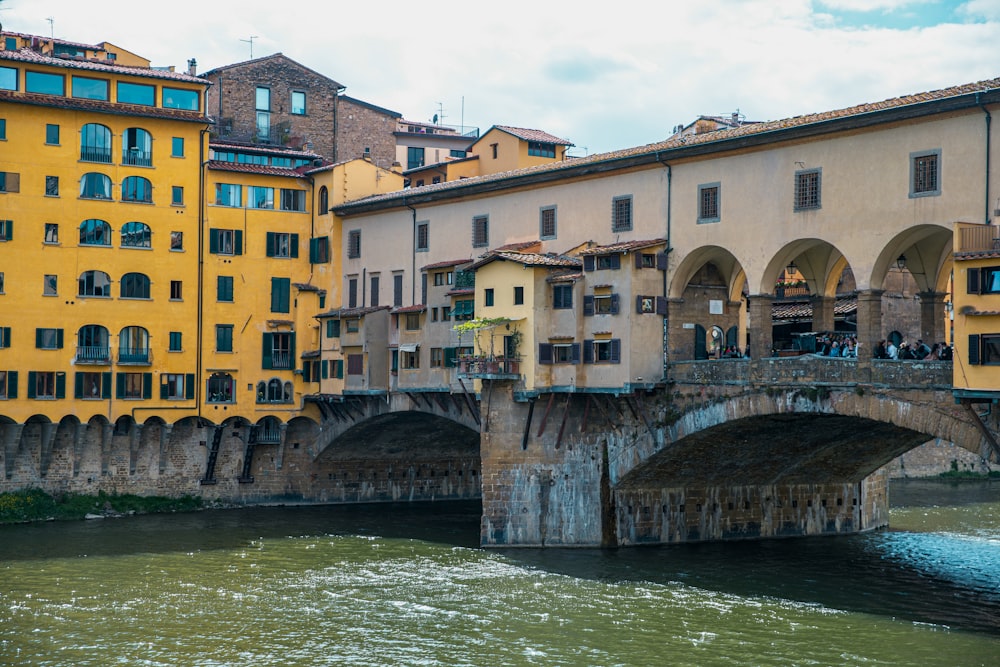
[408,585]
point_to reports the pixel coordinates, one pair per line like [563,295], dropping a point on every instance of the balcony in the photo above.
[137,158]
[135,357]
[93,354]
[489,368]
[95,154]
[979,238]
[266,435]
[281,360]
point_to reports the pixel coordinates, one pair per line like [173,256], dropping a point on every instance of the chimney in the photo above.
[193,67]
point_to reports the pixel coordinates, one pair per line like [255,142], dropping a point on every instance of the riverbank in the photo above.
[32,505]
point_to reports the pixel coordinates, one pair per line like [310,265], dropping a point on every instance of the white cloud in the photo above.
[981,9]
[872,5]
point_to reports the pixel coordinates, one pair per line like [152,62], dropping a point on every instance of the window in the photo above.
[223,337]
[278,350]
[133,346]
[10,182]
[3,125]
[353,326]
[95,186]
[601,304]
[177,98]
[602,262]
[1,282]
[49,285]
[518,295]
[480,231]
[602,351]
[454,152]
[541,149]
[228,194]
[46,384]
[354,244]
[137,147]
[282,244]
[925,174]
[176,195]
[136,93]
[437,357]
[52,134]
[176,290]
[319,250]
[44,83]
[137,189]
[134,286]
[414,157]
[409,360]
[397,289]
[298,103]
[263,99]
[90,385]
[562,296]
[274,391]
[324,201]
[95,232]
[136,235]
[8,77]
[220,388]
[558,353]
[333,328]
[439,279]
[496,150]
[280,294]
[177,240]
[95,143]
[547,222]
[8,384]
[263,106]
[293,200]
[375,281]
[708,203]
[134,385]
[621,213]
[423,236]
[92,345]
[49,339]
[225,241]
[175,342]
[355,364]
[260,197]
[488,296]
[464,310]
[51,186]
[224,289]
[4,337]
[352,292]
[412,321]
[94,283]
[807,189]
[89,89]
[6,230]
[177,147]
[176,386]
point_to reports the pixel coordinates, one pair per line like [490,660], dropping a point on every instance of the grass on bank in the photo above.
[36,505]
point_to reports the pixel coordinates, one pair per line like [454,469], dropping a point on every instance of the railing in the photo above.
[136,357]
[978,239]
[95,154]
[489,367]
[268,436]
[93,354]
[281,360]
[137,158]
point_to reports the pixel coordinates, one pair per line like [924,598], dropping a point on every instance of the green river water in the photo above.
[408,585]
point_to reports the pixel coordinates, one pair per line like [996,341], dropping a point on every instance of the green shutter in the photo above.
[38,338]
[339,369]
[120,385]
[59,339]
[10,230]
[147,385]
[189,385]
[294,246]
[291,347]
[238,242]
[307,371]
[270,244]
[163,386]
[450,356]
[60,385]
[11,384]
[5,337]
[213,241]
[266,352]
[31,383]
[106,385]
[325,369]
[78,386]
[314,251]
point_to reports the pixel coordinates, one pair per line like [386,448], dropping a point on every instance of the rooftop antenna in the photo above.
[52,26]
[439,116]
[250,41]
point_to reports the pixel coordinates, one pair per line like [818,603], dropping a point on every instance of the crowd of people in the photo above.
[919,351]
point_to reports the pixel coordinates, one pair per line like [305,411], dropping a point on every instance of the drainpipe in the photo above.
[669,250]
[413,255]
[201,268]
[989,120]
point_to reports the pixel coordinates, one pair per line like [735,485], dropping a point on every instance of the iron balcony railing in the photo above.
[281,360]
[488,366]
[268,436]
[137,158]
[137,357]
[95,154]
[93,354]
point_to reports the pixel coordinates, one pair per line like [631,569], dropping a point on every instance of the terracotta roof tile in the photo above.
[624,246]
[533,135]
[417,308]
[570,277]
[263,150]
[462,291]
[445,264]
[261,169]
[33,57]
[100,106]
[518,246]
[351,312]
[790,310]
[529,259]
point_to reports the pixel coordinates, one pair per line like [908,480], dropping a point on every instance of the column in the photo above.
[47,437]
[822,307]
[135,441]
[869,322]
[79,446]
[165,430]
[11,443]
[932,317]
[759,322]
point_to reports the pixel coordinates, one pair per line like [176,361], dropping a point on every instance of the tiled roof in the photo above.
[273,56]
[35,58]
[373,107]
[263,150]
[351,312]
[529,259]
[418,308]
[978,254]
[54,40]
[99,106]
[624,246]
[799,310]
[570,277]
[518,246]
[532,135]
[461,291]
[445,264]
[306,287]
[261,169]
[719,140]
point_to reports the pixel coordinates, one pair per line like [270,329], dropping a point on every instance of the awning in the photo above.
[463,308]
[408,347]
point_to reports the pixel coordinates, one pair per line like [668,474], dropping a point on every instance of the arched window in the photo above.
[137,188]
[136,235]
[324,201]
[274,391]
[220,388]
[134,286]
[268,430]
[94,283]
[262,392]
[137,147]
[133,346]
[95,232]
[95,186]
[286,395]
[95,143]
[92,345]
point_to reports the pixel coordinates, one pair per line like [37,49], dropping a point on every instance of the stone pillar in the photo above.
[79,445]
[47,437]
[165,430]
[759,323]
[869,322]
[932,320]
[135,441]
[11,443]
[822,307]
[107,436]
[279,459]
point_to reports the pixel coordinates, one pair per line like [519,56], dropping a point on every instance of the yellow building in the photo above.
[99,178]
[976,312]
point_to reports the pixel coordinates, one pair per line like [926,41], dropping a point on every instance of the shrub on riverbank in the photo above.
[36,505]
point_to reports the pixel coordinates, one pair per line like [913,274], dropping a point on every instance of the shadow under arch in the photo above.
[820,262]
[409,435]
[925,251]
[725,262]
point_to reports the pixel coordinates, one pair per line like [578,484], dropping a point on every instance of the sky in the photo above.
[605,78]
